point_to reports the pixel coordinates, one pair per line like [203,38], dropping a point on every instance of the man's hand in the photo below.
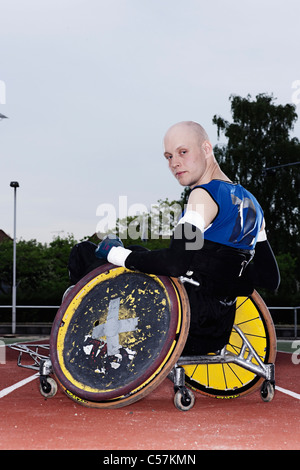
[106,245]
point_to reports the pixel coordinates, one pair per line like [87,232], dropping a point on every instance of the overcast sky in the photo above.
[91,86]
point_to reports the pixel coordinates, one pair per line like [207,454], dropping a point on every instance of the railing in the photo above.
[270,308]
[30,306]
[13,323]
[295,316]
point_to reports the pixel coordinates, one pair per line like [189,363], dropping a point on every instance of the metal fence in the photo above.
[295,309]
[14,323]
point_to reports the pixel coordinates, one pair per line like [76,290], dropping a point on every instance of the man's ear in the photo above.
[207,147]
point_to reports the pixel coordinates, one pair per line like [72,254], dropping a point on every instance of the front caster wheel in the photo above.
[184,399]
[48,387]
[267,391]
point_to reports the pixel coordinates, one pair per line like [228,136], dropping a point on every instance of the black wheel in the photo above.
[117,335]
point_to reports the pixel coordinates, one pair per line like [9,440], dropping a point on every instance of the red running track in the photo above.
[29,421]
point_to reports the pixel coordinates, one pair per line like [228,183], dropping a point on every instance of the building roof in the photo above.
[4,236]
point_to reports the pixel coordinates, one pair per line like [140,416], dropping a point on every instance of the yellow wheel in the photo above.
[230,380]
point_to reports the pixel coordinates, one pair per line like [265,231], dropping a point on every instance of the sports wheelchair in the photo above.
[118,334]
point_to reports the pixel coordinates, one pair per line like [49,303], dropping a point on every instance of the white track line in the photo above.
[288,392]
[10,389]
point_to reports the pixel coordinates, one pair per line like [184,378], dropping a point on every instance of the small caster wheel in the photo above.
[48,387]
[267,391]
[184,399]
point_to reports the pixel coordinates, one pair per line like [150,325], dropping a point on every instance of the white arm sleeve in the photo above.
[118,255]
[193,218]
[262,236]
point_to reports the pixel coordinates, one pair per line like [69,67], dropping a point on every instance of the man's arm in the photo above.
[201,202]
[263,270]
[173,261]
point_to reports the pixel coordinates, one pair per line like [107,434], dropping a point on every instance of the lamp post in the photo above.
[15,185]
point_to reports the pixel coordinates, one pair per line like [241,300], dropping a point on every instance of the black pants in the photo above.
[211,322]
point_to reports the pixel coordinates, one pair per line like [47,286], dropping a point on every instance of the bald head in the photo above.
[189,127]
[189,153]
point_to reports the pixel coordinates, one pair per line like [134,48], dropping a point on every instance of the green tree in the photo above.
[42,275]
[257,139]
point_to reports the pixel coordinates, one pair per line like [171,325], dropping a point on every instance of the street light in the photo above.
[272,169]
[15,185]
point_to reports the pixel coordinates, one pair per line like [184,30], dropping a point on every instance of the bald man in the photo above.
[213,242]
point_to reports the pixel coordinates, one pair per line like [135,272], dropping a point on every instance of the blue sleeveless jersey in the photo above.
[239,218]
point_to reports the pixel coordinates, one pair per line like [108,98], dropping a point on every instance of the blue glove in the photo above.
[106,245]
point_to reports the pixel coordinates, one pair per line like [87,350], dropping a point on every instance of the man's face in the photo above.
[185,155]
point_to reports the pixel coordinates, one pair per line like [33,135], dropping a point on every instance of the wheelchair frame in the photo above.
[183,395]
[184,399]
